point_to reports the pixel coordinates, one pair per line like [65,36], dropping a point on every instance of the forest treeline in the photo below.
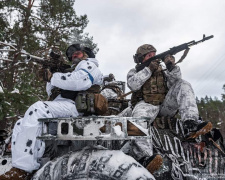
[35,27]
[213,110]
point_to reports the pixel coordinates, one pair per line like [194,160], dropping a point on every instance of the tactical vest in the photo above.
[71,94]
[153,90]
[85,100]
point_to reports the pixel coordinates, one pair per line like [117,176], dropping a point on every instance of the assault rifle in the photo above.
[172,51]
[55,63]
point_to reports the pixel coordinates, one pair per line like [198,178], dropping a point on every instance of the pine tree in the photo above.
[213,110]
[223,95]
[32,26]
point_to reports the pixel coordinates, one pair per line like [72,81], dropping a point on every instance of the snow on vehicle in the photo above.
[88,148]
[91,128]
[182,159]
[94,163]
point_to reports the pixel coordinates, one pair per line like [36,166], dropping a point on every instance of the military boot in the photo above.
[16,174]
[152,163]
[215,138]
[193,129]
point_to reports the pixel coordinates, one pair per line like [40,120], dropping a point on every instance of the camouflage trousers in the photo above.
[26,148]
[138,148]
[180,97]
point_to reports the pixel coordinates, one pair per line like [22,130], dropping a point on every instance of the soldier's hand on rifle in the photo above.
[154,65]
[44,75]
[169,62]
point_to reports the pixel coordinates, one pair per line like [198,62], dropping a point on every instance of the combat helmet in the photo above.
[142,51]
[77,47]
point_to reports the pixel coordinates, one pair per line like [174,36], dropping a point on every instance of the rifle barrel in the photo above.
[200,41]
[172,51]
[209,37]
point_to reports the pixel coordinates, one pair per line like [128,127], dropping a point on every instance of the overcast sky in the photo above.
[119,27]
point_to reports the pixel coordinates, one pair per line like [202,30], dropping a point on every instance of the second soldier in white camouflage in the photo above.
[161,93]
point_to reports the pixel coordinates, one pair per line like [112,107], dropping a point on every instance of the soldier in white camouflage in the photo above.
[84,76]
[158,92]
[162,93]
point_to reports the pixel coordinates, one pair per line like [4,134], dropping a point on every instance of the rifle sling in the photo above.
[90,76]
[183,56]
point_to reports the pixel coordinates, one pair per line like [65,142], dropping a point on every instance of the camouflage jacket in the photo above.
[136,81]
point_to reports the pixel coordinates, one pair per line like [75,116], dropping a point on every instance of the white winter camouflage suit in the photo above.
[109,93]
[26,149]
[179,97]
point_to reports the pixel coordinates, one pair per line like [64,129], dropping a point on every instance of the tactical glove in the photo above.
[169,62]
[44,75]
[154,65]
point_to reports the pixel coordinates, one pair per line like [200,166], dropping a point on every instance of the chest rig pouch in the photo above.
[91,102]
[153,91]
